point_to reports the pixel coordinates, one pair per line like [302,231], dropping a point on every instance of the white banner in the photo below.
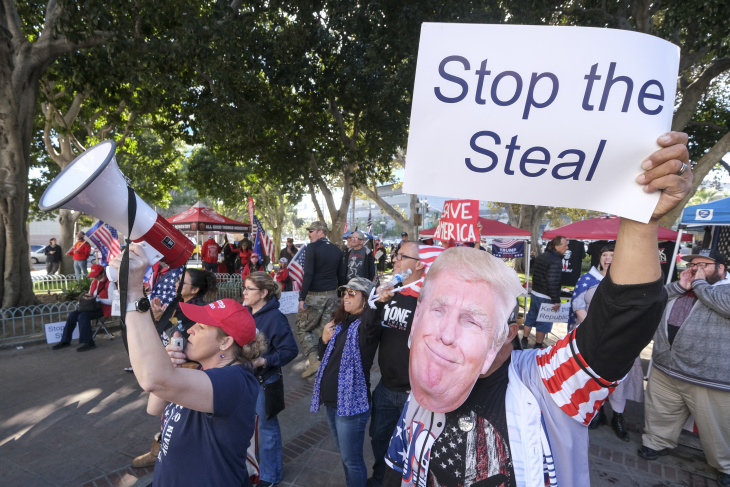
[289,302]
[546,313]
[542,115]
[54,332]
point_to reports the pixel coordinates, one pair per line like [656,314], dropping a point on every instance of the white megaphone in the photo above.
[93,184]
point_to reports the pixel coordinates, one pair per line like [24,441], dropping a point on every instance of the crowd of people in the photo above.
[461,401]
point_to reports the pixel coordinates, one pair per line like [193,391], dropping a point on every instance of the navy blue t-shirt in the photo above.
[205,449]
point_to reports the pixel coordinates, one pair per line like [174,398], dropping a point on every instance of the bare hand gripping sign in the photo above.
[559,116]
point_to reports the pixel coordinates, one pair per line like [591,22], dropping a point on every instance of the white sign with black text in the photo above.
[539,115]
[54,332]
[547,314]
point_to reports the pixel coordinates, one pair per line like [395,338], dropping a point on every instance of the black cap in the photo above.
[707,254]
[404,234]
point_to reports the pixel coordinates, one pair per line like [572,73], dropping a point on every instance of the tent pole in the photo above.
[673,263]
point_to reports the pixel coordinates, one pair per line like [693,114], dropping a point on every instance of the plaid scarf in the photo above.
[352,393]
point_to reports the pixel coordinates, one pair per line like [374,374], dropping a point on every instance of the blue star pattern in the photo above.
[165,288]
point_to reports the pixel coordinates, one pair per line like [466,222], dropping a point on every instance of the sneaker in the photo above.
[86,346]
[651,454]
[539,346]
[723,479]
[524,342]
[598,420]
[59,346]
[264,483]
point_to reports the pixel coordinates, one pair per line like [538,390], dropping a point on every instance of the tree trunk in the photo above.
[17,106]
[530,217]
[66,221]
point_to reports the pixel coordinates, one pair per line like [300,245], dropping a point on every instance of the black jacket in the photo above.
[323,269]
[547,273]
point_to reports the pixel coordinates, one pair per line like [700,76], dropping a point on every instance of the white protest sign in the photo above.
[541,115]
[546,313]
[289,302]
[54,332]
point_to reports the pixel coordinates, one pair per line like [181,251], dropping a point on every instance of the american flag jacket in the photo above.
[552,393]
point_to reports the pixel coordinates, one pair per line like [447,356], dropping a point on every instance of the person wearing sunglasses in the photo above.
[691,364]
[342,384]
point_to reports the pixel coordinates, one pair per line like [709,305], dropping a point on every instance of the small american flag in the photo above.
[370,222]
[265,241]
[296,268]
[165,288]
[347,226]
[106,239]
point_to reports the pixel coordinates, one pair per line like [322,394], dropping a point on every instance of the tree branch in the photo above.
[693,93]
[312,194]
[712,125]
[349,142]
[14,23]
[53,13]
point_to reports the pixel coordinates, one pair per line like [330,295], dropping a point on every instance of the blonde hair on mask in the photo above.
[477,267]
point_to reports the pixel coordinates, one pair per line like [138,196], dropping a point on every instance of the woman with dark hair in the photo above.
[229,255]
[199,287]
[342,384]
[261,296]
[244,252]
[254,265]
[208,415]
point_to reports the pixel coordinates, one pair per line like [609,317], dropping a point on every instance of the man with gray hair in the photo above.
[480,415]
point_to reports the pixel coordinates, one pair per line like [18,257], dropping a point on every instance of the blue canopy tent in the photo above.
[715,214]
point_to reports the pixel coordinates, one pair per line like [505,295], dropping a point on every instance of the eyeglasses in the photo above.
[351,292]
[701,265]
[399,256]
[251,289]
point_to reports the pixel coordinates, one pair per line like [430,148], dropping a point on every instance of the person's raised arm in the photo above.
[151,363]
[636,259]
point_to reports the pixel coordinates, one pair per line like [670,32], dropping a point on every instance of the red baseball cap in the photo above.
[227,314]
[95,270]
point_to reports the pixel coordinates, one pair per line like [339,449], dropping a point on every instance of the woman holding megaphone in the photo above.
[208,415]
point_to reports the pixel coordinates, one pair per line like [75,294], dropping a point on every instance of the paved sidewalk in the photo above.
[77,419]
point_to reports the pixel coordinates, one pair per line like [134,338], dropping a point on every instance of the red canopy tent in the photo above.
[200,218]
[603,228]
[490,229]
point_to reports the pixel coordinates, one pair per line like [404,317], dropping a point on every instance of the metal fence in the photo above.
[56,282]
[29,321]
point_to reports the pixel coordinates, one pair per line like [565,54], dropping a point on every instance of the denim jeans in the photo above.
[80,268]
[349,435]
[531,318]
[387,408]
[83,318]
[270,455]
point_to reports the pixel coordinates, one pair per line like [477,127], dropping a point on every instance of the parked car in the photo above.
[36,254]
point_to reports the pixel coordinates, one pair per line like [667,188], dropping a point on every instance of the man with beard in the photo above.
[691,364]
[479,415]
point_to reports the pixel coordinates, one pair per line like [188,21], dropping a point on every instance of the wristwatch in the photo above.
[142,305]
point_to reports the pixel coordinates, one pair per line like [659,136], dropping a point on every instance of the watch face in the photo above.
[143,304]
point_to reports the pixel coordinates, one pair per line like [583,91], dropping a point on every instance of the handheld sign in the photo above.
[458,222]
[546,313]
[540,115]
